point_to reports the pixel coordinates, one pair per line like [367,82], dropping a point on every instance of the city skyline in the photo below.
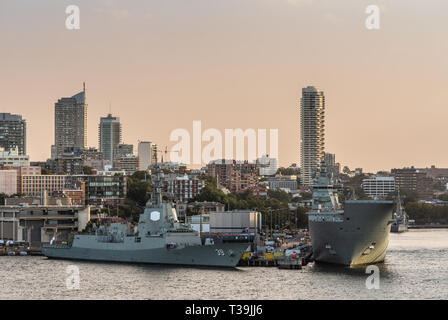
[384,88]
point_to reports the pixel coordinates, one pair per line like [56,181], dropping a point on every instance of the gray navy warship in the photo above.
[159,239]
[401,218]
[358,233]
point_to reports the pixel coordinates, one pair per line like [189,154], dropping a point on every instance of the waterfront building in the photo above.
[312,132]
[268,166]
[199,223]
[13,133]
[12,158]
[70,123]
[236,222]
[38,224]
[378,187]
[109,135]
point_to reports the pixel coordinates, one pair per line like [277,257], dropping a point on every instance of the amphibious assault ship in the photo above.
[356,233]
[159,239]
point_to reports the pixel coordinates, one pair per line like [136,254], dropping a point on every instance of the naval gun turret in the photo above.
[159,215]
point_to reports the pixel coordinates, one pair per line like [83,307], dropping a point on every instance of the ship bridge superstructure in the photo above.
[325,191]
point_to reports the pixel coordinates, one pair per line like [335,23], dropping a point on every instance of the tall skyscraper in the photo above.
[13,132]
[109,135]
[145,156]
[312,132]
[70,123]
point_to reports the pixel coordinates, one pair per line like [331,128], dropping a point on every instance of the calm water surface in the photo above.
[416,267]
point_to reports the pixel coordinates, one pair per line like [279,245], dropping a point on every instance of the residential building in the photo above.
[128,163]
[124,149]
[312,132]
[33,185]
[100,190]
[378,187]
[67,163]
[12,158]
[105,190]
[435,173]
[330,162]
[70,123]
[412,179]
[13,133]
[286,183]
[235,175]
[182,188]
[94,159]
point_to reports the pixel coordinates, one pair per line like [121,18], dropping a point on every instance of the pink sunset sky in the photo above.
[162,64]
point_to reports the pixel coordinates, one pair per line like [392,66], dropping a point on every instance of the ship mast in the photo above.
[156,185]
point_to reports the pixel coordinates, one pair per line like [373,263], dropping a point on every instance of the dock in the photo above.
[276,260]
[288,263]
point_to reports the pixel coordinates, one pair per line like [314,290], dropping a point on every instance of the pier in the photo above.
[277,259]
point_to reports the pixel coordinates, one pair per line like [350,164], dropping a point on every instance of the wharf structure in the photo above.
[38,224]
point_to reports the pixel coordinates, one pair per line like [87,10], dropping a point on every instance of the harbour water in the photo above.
[416,267]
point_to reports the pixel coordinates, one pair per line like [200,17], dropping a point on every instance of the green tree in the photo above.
[302,217]
[280,195]
[87,170]
[138,191]
[45,171]
[2,198]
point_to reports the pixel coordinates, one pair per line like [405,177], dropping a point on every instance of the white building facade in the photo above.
[145,154]
[8,182]
[12,158]
[268,166]
[378,187]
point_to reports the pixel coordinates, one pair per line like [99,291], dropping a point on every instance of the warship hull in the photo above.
[358,235]
[220,255]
